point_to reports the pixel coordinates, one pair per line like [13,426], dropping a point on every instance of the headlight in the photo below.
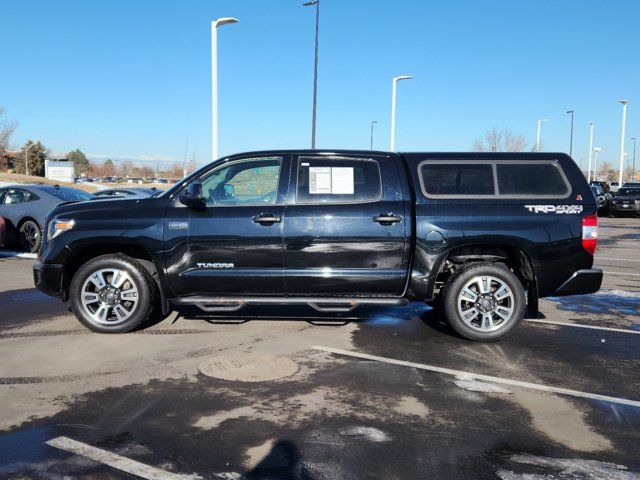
[637,202]
[56,227]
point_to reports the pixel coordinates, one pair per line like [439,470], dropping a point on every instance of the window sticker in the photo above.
[342,180]
[319,180]
[331,180]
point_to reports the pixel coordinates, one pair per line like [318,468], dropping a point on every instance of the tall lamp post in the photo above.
[540,122]
[214,81]
[571,135]
[26,158]
[591,124]
[624,126]
[394,82]
[633,169]
[372,124]
[597,150]
[315,73]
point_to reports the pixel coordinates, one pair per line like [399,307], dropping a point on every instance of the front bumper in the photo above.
[48,278]
[625,208]
[581,282]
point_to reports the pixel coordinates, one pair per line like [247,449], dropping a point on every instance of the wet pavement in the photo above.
[143,399]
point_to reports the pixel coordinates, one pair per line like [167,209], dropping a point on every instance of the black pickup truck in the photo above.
[481,235]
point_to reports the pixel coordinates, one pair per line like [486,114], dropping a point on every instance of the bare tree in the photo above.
[6,130]
[504,140]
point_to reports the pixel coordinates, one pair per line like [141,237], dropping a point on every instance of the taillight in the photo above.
[590,233]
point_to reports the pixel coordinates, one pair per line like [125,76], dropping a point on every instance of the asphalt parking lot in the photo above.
[282,393]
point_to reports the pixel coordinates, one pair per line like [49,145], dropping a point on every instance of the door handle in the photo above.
[266,218]
[387,218]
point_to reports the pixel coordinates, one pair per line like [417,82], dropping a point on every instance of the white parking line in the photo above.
[581,325]
[486,378]
[116,461]
[622,273]
[619,259]
[9,253]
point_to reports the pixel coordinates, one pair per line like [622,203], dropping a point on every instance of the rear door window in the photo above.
[338,180]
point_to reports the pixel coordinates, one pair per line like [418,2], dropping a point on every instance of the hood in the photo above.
[113,207]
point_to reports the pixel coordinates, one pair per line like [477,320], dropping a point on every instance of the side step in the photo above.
[320,304]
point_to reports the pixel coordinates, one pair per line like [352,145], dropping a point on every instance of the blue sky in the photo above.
[131,79]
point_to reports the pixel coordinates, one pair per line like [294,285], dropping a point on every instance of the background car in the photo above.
[605,185]
[603,206]
[626,202]
[24,208]
[125,192]
[631,184]
[615,186]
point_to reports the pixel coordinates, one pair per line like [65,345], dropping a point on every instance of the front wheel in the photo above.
[30,236]
[112,294]
[484,301]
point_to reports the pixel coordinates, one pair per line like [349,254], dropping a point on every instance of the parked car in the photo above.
[2,232]
[484,234]
[24,208]
[631,184]
[603,204]
[605,185]
[615,186]
[626,202]
[125,192]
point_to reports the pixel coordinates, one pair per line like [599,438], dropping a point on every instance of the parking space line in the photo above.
[581,325]
[477,376]
[619,259]
[622,273]
[116,461]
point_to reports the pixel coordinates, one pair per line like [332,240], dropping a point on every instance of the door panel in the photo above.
[334,247]
[233,246]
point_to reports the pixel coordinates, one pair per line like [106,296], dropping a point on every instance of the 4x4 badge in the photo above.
[559,209]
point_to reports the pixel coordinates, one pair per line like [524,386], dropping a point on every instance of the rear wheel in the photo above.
[112,294]
[484,301]
[30,236]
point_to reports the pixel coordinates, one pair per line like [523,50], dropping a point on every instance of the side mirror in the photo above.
[229,191]
[192,196]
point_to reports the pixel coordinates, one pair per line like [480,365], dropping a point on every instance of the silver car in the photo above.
[24,208]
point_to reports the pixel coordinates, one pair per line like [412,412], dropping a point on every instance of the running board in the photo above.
[320,304]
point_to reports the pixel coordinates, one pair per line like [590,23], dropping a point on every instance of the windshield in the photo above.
[69,194]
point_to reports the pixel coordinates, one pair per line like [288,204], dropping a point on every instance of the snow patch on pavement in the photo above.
[483,387]
[369,433]
[567,468]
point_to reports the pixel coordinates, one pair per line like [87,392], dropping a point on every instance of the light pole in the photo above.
[591,124]
[540,122]
[26,158]
[597,150]
[372,124]
[315,73]
[394,82]
[624,127]
[214,80]
[633,169]
[571,136]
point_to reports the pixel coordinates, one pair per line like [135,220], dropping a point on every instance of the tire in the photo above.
[29,236]
[490,317]
[112,294]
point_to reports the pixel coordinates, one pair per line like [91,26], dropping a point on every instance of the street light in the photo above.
[26,158]
[394,82]
[315,73]
[597,150]
[214,80]
[591,124]
[571,136]
[633,169]
[540,122]
[372,124]
[624,127]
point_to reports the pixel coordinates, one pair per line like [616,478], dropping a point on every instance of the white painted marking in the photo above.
[9,253]
[623,273]
[487,378]
[619,259]
[580,325]
[116,461]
